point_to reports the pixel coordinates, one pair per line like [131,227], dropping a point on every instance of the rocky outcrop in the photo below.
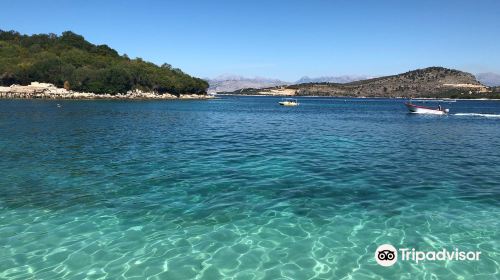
[38,90]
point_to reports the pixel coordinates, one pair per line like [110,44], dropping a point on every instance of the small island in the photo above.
[69,67]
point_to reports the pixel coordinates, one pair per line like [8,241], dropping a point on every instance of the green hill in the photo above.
[70,61]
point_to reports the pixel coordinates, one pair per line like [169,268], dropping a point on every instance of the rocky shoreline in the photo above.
[48,91]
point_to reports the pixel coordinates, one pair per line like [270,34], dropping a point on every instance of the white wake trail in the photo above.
[478,115]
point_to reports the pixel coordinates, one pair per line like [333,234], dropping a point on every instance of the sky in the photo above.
[279,39]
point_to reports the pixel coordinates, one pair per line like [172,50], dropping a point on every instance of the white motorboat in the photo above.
[426,110]
[289,102]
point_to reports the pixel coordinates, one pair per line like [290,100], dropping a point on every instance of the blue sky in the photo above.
[279,39]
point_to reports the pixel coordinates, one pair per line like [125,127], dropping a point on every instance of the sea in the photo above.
[239,187]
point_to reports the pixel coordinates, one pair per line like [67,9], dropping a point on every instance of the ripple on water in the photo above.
[243,189]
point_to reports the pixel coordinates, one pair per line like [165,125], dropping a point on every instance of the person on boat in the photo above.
[440,108]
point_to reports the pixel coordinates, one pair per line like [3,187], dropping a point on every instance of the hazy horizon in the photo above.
[283,40]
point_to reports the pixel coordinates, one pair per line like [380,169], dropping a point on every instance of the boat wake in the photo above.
[478,115]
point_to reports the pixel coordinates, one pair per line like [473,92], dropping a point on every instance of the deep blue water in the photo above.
[241,187]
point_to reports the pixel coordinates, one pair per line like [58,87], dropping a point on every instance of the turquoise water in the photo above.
[242,188]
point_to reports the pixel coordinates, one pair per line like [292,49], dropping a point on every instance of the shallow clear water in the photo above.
[241,187]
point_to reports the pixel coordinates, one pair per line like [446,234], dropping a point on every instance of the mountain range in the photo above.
[333,79]
[230,83]
[489,79]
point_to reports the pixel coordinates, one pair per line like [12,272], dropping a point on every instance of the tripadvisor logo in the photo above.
[387,255]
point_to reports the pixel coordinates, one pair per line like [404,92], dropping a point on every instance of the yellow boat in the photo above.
[289,102]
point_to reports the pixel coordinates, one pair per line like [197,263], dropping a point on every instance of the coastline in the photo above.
[48,91]
[358,97]
[38,90]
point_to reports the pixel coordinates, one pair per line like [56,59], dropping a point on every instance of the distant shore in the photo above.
[357,97]
[48,91]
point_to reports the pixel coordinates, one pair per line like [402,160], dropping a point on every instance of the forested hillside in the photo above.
[71,62]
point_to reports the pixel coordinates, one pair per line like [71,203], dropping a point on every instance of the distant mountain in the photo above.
[489,79]
[229,83]
[335,79]
[429,82]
